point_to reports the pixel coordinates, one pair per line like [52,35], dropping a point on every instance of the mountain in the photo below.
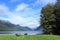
[6,25]
[38,29]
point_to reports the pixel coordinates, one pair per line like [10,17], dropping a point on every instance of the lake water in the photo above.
[20,32]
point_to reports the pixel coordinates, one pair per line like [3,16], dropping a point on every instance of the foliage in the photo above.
[57,13]
[25,34]
[17,35]
[48,18]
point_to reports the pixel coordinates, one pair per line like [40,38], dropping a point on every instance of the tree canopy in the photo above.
[48,18]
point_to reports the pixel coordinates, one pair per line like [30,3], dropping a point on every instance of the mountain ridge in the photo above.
[8,26]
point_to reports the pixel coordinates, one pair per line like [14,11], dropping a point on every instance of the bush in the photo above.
[17,34]
[25,34]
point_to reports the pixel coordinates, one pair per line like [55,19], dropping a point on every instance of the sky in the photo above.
[23,12]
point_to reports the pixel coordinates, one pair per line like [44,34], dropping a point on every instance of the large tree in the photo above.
[48,19]
[57,13]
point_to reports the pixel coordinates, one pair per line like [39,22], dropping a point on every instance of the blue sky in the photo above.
[22,12]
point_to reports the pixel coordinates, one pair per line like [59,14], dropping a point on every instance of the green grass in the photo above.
[28,37]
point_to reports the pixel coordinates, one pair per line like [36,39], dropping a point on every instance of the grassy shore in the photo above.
[28,37]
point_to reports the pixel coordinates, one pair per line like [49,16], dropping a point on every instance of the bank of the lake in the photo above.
[20,32]
[28,37]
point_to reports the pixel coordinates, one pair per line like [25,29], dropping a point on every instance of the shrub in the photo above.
[17,34]
[25,34]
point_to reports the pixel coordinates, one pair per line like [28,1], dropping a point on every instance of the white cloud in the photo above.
[43,2]
[49,1]
[31,22]
[3,8]
[21,7]
[25,11]
[16,18]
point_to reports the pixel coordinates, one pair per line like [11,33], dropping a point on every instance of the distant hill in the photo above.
[7,26]
[38,29]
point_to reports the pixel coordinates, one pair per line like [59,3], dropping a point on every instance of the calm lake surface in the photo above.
[20,32]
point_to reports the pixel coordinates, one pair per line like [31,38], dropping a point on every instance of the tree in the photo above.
[48,19]
[57,13]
